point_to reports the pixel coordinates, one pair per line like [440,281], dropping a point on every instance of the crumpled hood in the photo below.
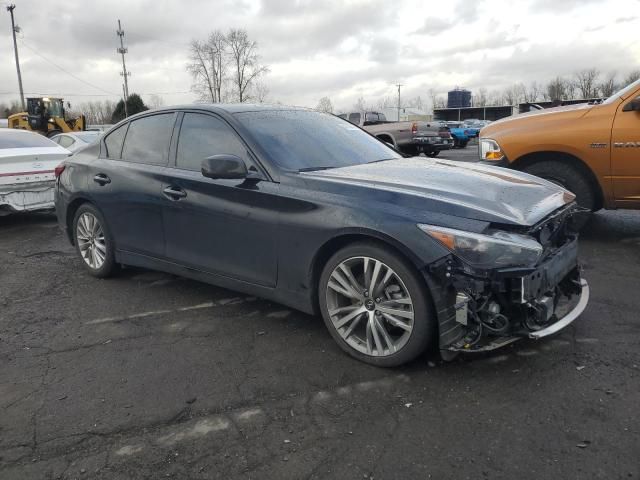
[465,190]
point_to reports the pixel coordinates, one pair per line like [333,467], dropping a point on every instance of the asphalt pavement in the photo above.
[149,375]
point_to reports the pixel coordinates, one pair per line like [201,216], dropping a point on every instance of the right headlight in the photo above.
[496,249]
[490,150]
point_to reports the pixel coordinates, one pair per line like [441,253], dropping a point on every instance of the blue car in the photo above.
[459,133]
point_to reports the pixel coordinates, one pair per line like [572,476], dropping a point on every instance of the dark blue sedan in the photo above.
[397,254]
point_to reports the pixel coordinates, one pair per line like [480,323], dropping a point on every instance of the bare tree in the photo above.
[480,99]
[155,101]
[387,102]
[360,105]
[325,105]
[200,69]
[96,113]
[631,77]
[208,66]
[261,92]
[608,86]
[585,81]
[246,62]
[532,92]
[514,94]
[556,89]
[414,102]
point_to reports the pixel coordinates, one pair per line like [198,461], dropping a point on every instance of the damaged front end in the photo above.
[482,308]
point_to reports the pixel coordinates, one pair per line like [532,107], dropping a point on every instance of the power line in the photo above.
[64,70]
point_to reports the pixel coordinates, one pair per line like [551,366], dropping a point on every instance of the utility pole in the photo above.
[126,109]
[122,50]
[10,9]
[399,85]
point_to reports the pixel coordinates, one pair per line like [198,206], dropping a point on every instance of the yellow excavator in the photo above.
[47,116]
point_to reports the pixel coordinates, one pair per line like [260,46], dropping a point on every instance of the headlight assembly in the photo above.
[490,150]
[496,249]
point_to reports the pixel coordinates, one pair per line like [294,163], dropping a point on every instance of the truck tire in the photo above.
[432,154]
[567,176]
[53,133]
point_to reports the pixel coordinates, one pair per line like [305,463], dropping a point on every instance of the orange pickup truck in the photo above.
[591,149]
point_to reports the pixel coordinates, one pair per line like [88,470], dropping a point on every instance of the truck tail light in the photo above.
[414,128]
[58,170]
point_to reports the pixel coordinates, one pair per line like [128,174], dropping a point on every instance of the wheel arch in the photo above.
[385,137]
[529,159]
[72,208]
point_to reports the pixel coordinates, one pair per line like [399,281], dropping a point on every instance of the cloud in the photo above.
[337,48]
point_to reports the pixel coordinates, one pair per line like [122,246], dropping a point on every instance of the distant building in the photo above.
[459,98]
[478,113]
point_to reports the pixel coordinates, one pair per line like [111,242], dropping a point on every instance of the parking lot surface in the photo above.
[148,375]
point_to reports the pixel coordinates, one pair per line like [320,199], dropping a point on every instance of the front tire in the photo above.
[93,241]
[375,305]
[432,154]
[567,176]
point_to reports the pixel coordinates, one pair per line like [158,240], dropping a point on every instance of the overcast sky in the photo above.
[342,49]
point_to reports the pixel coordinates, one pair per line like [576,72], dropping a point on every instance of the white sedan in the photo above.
[76,140]
[27,170]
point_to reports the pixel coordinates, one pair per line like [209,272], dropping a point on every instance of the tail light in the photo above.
[414,128]
[59,169]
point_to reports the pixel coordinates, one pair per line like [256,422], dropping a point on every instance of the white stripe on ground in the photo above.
[204,426]
[200,306]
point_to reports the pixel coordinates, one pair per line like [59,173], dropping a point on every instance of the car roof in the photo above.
[229,107]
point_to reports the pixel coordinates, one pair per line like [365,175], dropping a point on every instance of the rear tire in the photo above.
[567,176]
[94,242]
[432,154]
[396,320]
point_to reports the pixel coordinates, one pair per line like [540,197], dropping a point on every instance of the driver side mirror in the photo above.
[224,166]
[633,105]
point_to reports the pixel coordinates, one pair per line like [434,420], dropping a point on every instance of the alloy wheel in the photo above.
[370,306]
[91,241]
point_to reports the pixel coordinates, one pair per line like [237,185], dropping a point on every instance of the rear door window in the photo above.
[354,118]
[203,136]
[148,139]
[113,142]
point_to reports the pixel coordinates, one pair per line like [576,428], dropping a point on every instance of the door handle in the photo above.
[101,179]
[174,193]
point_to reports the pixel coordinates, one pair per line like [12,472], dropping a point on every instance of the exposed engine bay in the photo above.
[485,309]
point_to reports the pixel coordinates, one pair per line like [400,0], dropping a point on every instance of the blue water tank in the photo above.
[459,98]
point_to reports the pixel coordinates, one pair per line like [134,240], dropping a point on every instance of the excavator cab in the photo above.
[47,116]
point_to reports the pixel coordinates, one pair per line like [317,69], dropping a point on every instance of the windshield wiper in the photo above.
[313,169]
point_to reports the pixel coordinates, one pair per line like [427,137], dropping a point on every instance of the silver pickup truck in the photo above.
[413,137]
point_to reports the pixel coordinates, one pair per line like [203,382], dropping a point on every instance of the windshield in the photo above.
[623,92]
[22,139]
[301,140]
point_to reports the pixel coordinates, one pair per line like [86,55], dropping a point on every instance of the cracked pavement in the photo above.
[148,375]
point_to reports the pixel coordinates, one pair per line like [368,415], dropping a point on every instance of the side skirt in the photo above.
[294,300]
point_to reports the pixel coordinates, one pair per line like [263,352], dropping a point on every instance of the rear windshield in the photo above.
[305,140]
[20,139]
